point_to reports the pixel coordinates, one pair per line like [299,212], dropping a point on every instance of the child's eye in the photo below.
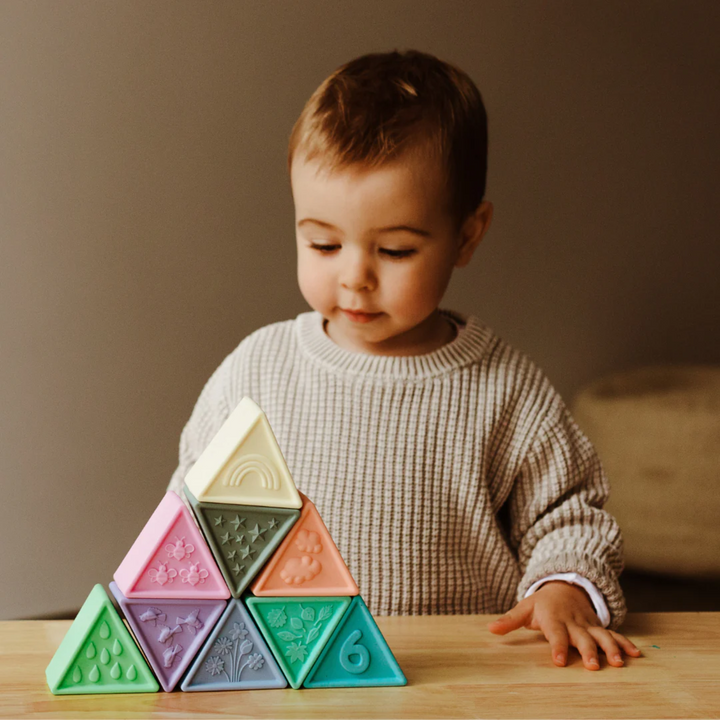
[324,249]
[397,253]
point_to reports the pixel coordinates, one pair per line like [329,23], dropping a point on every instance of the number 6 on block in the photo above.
[356,654]
[351,647]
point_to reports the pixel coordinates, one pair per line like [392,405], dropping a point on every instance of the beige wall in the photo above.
[146,223]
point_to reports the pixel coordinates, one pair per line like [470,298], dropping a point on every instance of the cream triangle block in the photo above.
[243,464]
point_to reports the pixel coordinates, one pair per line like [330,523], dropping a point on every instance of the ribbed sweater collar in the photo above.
[468,345]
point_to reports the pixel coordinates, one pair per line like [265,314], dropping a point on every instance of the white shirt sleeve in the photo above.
[574,579]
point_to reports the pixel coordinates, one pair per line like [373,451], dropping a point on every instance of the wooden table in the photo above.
[455,668]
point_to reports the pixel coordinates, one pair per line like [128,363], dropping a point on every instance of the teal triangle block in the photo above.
[234,657]
[241,537]
[297,628]
[98,654]
[357,654]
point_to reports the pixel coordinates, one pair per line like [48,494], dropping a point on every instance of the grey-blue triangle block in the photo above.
[234,657]
[356,655]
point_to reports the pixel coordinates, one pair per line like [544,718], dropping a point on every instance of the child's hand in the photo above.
[565,615]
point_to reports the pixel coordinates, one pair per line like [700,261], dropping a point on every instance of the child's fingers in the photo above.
[511,620]
[557,635]
[626,644]
[585,644]
[607,642]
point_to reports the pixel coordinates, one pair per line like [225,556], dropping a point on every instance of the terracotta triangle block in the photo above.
[242,537]
[98,654]
[243,464]
[235,657]
[306,563]
[297,629]
[169,631]
[170,558]
[356,655]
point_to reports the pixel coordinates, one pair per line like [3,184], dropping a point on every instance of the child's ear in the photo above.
[473,231]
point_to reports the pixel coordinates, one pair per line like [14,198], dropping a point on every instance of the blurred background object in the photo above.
[147,225]
[657,431]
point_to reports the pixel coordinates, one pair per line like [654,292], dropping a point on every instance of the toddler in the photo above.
[445,465]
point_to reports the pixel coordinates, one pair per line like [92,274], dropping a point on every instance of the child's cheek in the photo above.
[315,283]
[426,285]
[306,280]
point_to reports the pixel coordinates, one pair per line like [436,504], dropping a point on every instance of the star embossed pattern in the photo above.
[242,538]
[253,538]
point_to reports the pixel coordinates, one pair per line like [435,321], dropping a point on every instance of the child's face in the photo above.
[349,261]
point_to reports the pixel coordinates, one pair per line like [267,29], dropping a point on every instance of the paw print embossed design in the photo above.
[299,570]
[162,574]
[308,541]
[193,575]
[179,550]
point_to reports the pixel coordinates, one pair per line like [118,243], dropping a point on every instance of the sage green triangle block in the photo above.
[242,537]
[98,654]
[296,629]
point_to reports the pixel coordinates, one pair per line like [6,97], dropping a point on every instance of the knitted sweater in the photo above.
[450,481]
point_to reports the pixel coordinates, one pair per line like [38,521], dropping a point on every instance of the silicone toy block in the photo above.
[170,558]
[297,629]
[243,464]
[356,655]
[170,632]
[235,657]
[306,563]
[98,654]
[241,537]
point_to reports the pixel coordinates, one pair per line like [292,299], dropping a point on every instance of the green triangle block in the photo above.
[357,654]
[296,629]
[98,654]
[242,537]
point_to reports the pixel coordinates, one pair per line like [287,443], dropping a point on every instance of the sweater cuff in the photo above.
[601,608]
[587,567]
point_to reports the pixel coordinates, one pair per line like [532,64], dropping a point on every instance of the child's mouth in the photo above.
[360,317]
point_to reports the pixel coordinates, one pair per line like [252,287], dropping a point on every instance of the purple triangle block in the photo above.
[169,631]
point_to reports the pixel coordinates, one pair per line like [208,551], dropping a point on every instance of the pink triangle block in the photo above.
[170,558]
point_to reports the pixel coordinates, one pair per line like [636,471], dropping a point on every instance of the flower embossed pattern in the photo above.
[229,651]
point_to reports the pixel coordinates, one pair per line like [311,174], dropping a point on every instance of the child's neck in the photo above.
[438,331]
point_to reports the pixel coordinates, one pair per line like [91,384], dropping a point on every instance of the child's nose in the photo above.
[357,274]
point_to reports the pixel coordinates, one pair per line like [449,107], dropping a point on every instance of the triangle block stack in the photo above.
[247,591]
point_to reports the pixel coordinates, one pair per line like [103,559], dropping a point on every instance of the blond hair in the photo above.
[380,106]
